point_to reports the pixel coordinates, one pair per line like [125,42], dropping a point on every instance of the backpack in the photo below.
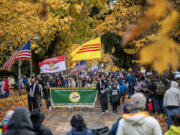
[114,96]
[161,88]
[100,130]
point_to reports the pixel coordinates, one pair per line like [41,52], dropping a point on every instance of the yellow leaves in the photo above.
[78,7]
[139,45]
[34,45]
[120,16]
[161,55]
[130,51]
[37,50]
[158,9]
[169,23]
[164,52]
[65,28]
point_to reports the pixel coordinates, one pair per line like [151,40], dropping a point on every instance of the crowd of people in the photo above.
[149,94]
[134,121]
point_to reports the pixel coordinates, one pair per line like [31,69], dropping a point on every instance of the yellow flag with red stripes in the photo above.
[87,51]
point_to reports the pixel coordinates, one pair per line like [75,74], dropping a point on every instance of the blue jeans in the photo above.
[7,94]
[170,113]
[130,90]
[158,104]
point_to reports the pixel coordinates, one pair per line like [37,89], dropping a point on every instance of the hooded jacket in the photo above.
[20,123]
[83,132]
[172,95]
[37,118]
[173,131]
[139,123]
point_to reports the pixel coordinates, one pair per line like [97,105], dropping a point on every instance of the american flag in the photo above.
[25,52]
[80,66]
[21,53]
[8,64]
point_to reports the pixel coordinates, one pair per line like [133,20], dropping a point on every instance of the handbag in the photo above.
[150,106]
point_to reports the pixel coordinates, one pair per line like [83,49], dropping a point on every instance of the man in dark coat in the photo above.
[33,94]
[103,93]
[37,119]
[20,123]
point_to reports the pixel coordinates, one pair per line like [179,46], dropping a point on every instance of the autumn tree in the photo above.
[111,46]
[123,12]
[57,23]
[150,15]
[162,52]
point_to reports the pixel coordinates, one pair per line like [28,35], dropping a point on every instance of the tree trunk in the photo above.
[136,66]
[35,61]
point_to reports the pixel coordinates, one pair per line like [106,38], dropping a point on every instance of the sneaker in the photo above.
[103,112]
[107,111]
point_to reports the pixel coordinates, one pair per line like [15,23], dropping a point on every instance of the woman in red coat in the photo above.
[6,87]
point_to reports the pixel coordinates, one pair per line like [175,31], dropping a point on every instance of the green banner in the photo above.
[64,97]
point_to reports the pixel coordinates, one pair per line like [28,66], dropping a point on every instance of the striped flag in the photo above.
[80,66]
[87,51]
[76,69]
[95,68]
[25,52]
[21,53]
[8,64]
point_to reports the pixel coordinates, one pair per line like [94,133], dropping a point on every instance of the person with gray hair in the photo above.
[138,122]
[138,101]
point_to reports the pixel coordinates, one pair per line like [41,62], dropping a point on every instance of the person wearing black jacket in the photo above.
[153,92]
[37,119]
[46,94]
[20,123]
[102,93]
[115,96]
[33,93]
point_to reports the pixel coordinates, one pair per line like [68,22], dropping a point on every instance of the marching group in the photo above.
[148,94]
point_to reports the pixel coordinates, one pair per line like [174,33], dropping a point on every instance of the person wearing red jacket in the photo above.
[6,87]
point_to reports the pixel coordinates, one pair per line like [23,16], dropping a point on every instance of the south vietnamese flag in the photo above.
[53,65]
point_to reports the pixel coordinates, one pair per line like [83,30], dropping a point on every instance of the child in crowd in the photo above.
[114,93]
[123,90]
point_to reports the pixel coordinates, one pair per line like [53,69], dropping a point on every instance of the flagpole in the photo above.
[19,69]
[101,54]
[30,63]
[66,63]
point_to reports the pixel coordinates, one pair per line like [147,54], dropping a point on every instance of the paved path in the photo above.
[58,120]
